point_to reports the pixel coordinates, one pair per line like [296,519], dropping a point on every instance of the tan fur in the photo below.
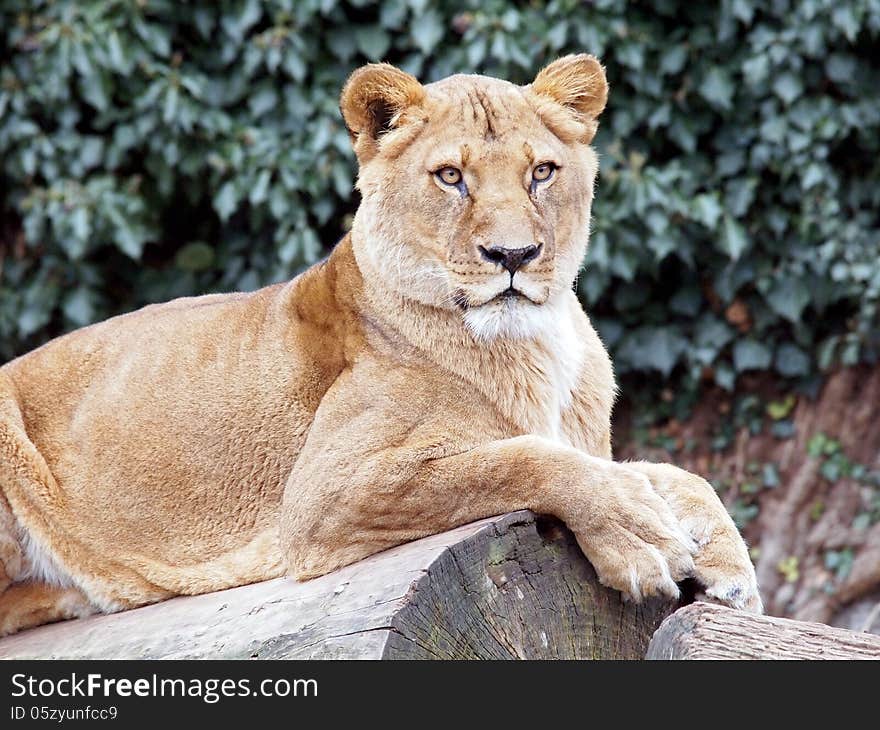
[383,395]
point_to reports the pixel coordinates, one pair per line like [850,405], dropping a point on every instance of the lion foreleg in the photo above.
[339,511]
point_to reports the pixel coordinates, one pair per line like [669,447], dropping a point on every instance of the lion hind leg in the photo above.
[10,547]
[25,605]
[34,588]
[26,600]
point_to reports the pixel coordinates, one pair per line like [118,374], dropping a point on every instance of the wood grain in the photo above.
[707,631]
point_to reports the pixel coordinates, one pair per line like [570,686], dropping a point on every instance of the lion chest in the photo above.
[545,378]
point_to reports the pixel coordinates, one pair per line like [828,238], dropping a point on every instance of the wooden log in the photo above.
[515,586]
[707,631]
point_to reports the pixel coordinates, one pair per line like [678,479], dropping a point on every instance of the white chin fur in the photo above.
[517,319]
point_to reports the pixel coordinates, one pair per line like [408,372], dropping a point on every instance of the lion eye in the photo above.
[449,175]
[543,172]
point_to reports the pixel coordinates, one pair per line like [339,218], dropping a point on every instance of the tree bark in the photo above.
[509,587]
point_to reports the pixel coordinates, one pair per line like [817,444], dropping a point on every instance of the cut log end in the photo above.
[520,588]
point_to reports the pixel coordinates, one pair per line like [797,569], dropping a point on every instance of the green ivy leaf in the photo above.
[260,189]
[80,223]
[427,31]
[653,348]
[226,200]
[788,87]
[717,87]
[78,307]
[751,355]
[707,209]
[733,240]
[791,361]
[373,42]
[789,297]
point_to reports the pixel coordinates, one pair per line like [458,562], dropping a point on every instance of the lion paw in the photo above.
[731,584]
[722,565]
[636,545]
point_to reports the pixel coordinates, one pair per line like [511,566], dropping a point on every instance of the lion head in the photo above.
[476,192]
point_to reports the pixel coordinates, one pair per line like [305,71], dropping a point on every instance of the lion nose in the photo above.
[511,259]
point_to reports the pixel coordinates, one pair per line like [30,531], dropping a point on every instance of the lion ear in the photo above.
[577,82]
[374,101]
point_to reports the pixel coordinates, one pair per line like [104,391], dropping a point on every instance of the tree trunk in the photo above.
[515,586]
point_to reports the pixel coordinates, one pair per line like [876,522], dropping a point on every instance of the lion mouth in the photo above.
[509,293]
[507,297]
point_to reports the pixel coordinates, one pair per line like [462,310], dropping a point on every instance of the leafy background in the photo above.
[154,148]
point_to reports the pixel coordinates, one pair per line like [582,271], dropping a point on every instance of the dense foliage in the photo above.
[152,148]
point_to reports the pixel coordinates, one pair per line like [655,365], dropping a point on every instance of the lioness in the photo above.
[437,368]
